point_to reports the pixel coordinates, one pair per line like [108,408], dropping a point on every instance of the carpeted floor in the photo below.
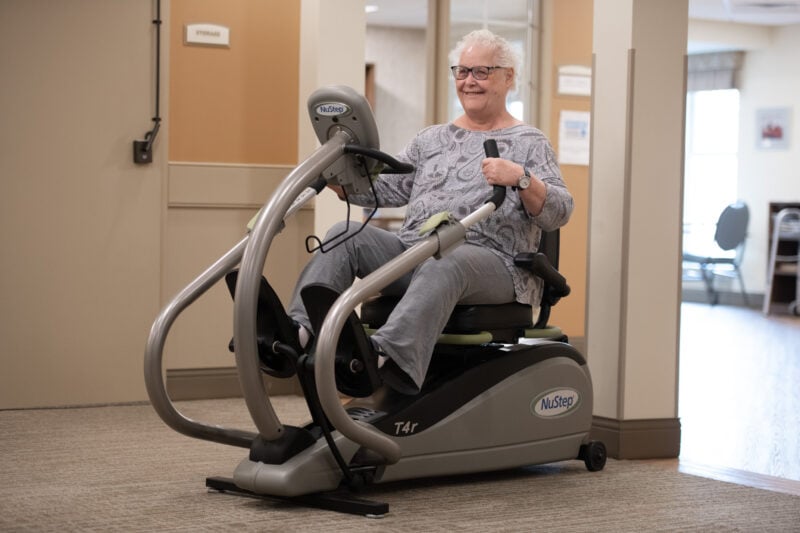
[120,468]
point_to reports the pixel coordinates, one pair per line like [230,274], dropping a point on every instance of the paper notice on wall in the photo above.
[573,138]
[575,80]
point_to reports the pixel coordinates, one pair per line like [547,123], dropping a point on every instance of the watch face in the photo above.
[524,182]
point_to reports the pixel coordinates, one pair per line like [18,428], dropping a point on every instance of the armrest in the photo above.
[539,265]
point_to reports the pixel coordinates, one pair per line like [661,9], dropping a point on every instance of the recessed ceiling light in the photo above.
[370,9]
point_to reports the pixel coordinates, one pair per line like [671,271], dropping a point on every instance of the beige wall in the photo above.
[79,221]
[94,244]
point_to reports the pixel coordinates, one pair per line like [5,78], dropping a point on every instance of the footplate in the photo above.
[341,501]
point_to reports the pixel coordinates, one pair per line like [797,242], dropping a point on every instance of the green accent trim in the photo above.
[452,338]
[435,221]
[252,222]
[544,333]
[375,173]
[466,339]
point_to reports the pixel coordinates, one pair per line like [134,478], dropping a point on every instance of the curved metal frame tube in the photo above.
[268,224]
[324,360]
[153,356]
[154,351]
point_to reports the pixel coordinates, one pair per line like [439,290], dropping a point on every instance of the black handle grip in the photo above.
[490,147]
[499,194]
[319,184]
[539,265]
[393,165]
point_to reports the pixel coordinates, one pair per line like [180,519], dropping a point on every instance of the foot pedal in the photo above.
[273,326]
[356,362]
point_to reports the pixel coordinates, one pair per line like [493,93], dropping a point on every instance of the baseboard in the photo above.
[220,382]
[656,438]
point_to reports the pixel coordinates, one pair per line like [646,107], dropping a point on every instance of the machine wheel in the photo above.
[794,308]
[593,455]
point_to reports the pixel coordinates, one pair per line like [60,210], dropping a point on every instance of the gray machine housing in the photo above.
[497,428]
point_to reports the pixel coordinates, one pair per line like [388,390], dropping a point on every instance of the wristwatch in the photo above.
[524,181]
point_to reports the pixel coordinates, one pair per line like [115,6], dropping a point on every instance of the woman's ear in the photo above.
[510,73]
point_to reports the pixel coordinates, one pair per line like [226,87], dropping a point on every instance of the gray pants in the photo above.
[467,274]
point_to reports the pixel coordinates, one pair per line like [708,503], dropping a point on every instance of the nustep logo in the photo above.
[332,109]
[555,402]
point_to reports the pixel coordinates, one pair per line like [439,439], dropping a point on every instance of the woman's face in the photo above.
[483,98]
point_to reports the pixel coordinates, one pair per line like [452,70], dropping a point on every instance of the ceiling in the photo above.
[413,13]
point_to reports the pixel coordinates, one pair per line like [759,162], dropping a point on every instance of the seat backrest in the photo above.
[550,245]
[732,226]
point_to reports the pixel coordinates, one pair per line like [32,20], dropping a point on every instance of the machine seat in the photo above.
[465,319]
[495,322]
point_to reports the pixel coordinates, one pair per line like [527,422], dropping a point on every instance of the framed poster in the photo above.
[772,128]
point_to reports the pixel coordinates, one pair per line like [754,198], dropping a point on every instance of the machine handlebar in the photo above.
[393,166]
[499,194]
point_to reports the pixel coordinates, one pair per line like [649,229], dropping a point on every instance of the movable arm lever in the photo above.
[499,194]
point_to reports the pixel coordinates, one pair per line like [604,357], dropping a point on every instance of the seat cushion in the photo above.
[464,319]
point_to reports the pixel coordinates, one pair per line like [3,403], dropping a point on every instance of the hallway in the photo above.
[739,390]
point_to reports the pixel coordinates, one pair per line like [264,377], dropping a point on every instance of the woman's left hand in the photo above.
[499,171]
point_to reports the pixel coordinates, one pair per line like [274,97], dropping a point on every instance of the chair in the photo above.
[726,257]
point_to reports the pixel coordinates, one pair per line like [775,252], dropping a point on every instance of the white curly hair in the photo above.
[504,53]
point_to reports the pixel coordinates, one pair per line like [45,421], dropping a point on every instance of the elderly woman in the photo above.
[452,174]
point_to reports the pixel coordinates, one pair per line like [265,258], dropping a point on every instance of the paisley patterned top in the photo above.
[448,177]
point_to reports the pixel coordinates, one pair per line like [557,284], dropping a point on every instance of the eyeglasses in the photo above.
[479,73]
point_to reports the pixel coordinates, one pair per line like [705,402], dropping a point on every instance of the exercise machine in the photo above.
[502,391]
